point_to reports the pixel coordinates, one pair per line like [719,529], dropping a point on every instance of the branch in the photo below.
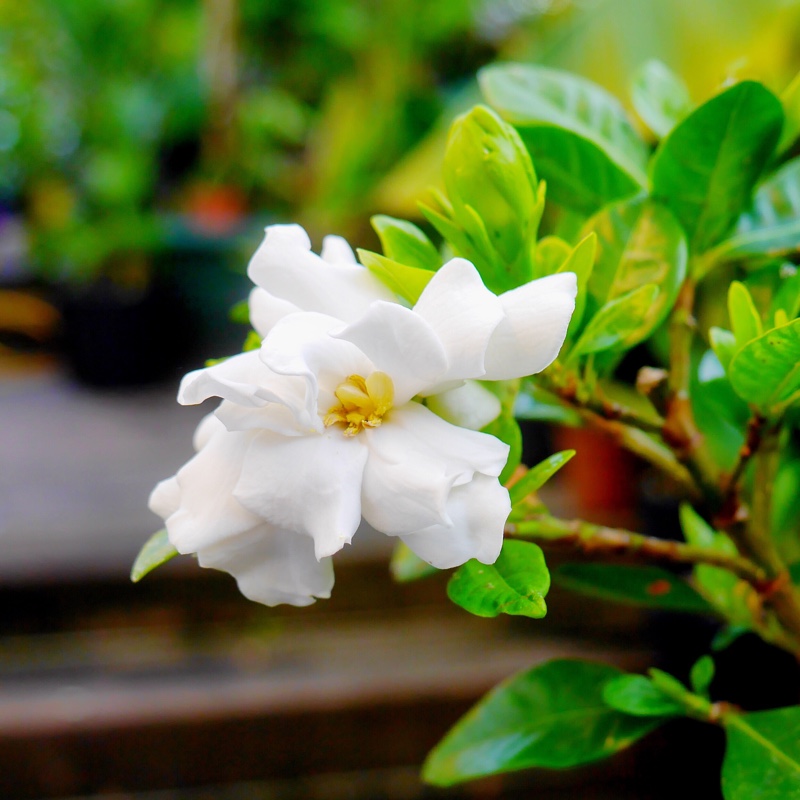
[590,538]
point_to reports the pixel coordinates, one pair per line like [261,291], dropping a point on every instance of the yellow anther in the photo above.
[362,403]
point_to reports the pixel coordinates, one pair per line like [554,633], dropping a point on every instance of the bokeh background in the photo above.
[144,145]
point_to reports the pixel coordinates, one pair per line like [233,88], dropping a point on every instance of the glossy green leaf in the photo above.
[515,584]
[613,325]
[762,757]
[766,372]
[745,320]
[701,675]
[551,252]
[406,282]
[579,136]
[722,416]
[650,587]
[636,695]
[537,476]
[405,243]
[660,97]
[506,429]
[550,716]
[771,228]
[705,170]
[157,550]
[581,261]
[723,343]
[639,242]
[406,566]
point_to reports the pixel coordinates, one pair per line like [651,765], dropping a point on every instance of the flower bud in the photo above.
[488,170]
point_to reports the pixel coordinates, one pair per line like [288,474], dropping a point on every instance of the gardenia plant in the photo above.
[382,392]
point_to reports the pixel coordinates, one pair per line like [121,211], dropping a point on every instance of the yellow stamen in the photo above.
[362,403]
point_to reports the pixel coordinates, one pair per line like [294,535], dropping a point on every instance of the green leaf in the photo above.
[790,100]
[650,587]
[506,429]
[762,757]
[701,675]
[639,242]
[745,320]
[405,243]
[636,695]
[766,372]
[537,476]
[699,533]
[406,566]
[579,136]
[615,322]
[551,252]
[550,716]
[516,583]
[705,170]
[660,97]
[407,282]
[157,550]
[771,228]
[581,262]
[723,343]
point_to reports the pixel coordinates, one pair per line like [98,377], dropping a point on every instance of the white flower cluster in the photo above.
[329,425]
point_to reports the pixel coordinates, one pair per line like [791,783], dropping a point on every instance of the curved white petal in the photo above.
[198,503]
[266,310]
[401,344]
[533,329]
[464,314]
[287,269]
[336,250]
[415,459]
[469,406]
[478,511]
[309,484]
[272,566]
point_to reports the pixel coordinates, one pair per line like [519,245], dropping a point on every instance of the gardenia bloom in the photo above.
[328,426]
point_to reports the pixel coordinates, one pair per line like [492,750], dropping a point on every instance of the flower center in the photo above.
[362,403]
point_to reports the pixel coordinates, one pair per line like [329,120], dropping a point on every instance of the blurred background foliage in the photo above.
[145,136]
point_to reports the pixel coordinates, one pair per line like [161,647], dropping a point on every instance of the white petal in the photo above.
[469,406]
[272,566]
[530,335]
[415,459]
[464,314]
[336,250]
[266,310]
[288,270]
[165,499]
[400,343]
[310,484]
[207,511]
[478,511]
[292,235]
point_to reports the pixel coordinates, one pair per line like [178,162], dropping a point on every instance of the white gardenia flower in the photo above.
[326,427]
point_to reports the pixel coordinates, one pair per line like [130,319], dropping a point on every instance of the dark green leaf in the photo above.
[636,695]
[407,566]
[762,758]
[579,136]
[766,372]
[701,675]
[506,429]
[407,282]
[771,228]
[616,322]
[642,586]
[537,476]
[157,550]
[405,243]
[639,242]
[660,97]
[516,583]
[705,170]
[550,716]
